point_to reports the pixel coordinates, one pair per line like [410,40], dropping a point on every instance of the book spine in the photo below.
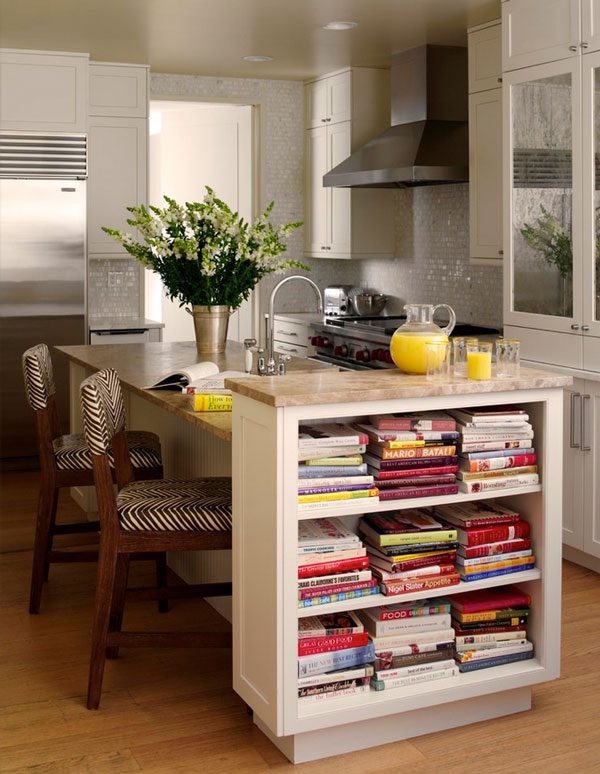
[500,532]
[490,645]
[470,666]
[494,453]
[414,669]
[335,481]
[212,402]
[504,472]
[405,493]
[430,570]
[341,596]
[347,494]
[474,446]
[418,641]
[411,466]
[416,452]
[345,674]
[484,654]
[336,659]
[342,693]
[310,646]
[322,471]
[408,443]
[330,489]
[355,459]
[330,556]
[325,504]
[486,560]
[502,616]
[491,484]
[332,580]
[495,573]
[435,653]
[406,625]
[479,436]
[338,588]
[493,548]
[499,463]
[418,438]
[417,481]
[326,548]
[424,677]
[478,565]
[489,638]
[408,538]
[331,451]
[333,567]
[420,584]
[508,606]
[399,423]
[413,612]
[333,440]
[415,564]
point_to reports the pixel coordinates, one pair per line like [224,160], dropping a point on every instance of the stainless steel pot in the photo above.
[369,304]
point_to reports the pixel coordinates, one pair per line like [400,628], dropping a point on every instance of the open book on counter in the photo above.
[197,377]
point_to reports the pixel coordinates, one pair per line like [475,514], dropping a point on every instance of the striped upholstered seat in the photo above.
[72,453]
[199,505]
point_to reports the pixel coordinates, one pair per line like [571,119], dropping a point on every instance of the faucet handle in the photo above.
[261,364]
[248,344]
[281,361]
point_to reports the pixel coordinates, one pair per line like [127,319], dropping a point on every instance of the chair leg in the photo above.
[46,500]
[161,581]
[118,601]
[105,589]
[50,534]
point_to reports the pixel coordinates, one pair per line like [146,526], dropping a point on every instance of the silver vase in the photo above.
[210,326]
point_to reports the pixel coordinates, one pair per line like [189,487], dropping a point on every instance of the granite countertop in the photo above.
[121,323]
[334,387]
[139,365]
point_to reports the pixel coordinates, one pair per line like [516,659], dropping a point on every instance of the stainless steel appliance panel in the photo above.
[42,292]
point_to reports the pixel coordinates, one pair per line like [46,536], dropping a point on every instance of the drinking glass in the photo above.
[437,354]
[502,358]
[459,345]
[479,360]
[514,356]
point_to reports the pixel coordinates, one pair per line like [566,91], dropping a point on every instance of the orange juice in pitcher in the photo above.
[408,345]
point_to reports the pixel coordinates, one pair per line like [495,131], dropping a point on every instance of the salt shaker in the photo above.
[248,344]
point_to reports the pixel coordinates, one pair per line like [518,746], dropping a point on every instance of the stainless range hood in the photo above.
[428,142]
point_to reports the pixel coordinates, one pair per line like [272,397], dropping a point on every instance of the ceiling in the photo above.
[209,37]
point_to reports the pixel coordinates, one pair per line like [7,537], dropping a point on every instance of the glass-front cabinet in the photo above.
[543,279]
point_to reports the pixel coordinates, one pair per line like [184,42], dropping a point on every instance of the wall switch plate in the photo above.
[115,279]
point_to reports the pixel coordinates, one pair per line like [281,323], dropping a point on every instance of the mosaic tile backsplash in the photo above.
[432,223]
[113,287]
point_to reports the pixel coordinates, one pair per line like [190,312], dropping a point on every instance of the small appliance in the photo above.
[337,301]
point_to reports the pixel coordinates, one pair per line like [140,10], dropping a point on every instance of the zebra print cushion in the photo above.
[200,505]
[72,453]
[102,408]
[38,376]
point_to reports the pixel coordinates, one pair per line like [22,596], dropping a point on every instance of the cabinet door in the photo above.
[590,25]
[573,471]
[591,193]
[590,450]
[339,227]
[117,177]
[538,31]
[315,102]
[43,92]
[316,196]
[485,174]
[118,90]
[485,58]
[542,207]
[339,97]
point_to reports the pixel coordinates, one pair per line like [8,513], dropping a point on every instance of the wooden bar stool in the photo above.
[65,461]
[167,515]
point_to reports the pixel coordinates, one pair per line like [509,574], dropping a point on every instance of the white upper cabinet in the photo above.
[485,57]
[43,91]
[329,100]
[540,31]
[118,90]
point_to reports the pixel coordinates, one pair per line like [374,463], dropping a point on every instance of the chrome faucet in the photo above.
[269,367]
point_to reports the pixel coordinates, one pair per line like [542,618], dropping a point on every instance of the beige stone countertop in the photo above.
[139,365]
[308,389]
[121,323]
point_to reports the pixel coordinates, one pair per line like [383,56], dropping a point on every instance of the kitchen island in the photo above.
[264,432]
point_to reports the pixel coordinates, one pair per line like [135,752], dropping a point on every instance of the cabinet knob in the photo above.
[500,252]
[572,48]
[499,80]
[574,327]
[323,120]
[585,327]
[584,45]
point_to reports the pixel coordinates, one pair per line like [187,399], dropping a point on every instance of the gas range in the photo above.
[362,343]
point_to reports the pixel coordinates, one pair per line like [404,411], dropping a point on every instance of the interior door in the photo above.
[197,146]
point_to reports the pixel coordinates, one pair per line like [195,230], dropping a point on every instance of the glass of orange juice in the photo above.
[479,360]
[437,355]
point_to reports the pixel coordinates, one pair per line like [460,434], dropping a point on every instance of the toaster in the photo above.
[336,300]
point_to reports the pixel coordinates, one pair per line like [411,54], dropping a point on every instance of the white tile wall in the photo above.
[121,300]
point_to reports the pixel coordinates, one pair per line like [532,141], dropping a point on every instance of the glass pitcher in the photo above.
[408,342]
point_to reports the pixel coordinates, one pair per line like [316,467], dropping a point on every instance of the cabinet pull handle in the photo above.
[584,45]
[499,80]
[323,120]
[585,327]
[574,327]
[500,252]
[572,48]
[572,442]
[585,401]
[288,333]
[287,349]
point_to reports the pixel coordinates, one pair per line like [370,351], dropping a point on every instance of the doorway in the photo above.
[193,145]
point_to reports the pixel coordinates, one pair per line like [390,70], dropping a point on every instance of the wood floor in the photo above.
[174,710]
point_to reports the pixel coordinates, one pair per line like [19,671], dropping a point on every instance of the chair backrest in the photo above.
[38,376]
[104,423]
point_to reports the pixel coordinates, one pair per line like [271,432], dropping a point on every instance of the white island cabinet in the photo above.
[266,414]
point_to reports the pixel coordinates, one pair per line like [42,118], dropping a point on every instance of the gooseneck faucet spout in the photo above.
[270,365]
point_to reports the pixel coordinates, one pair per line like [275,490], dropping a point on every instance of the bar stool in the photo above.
[65,461]
[167,515]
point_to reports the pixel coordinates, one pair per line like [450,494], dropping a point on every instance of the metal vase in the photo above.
[210,326]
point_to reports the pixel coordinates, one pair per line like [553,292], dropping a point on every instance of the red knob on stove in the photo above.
[325,343]
[377,354]
[341,351]
[388,357]
[314,340]
[363,355]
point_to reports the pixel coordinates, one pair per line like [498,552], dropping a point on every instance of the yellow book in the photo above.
[212,402]
[401,444]
[331,496]
[490,567]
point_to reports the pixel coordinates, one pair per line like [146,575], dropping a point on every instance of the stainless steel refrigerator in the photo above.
[42,282]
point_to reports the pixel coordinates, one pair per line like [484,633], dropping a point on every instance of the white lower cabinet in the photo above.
[581,492]
[265,557]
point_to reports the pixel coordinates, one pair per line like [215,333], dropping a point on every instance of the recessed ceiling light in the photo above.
[340,25]
[257,58]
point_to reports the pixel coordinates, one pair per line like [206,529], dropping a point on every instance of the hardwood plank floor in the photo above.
[174,710]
